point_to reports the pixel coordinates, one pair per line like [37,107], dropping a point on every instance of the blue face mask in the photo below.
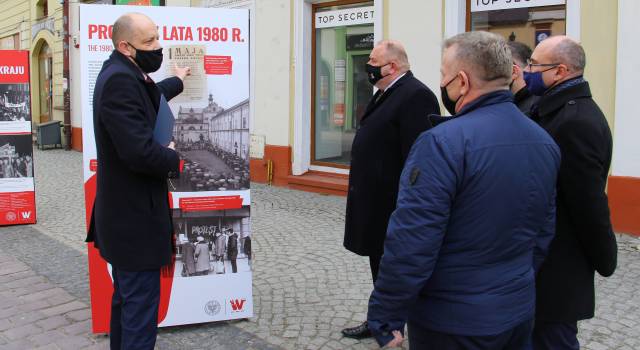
[534,82]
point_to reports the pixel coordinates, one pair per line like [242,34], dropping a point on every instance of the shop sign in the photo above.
[345,17]
[45,24]
[360,42]
[491,5]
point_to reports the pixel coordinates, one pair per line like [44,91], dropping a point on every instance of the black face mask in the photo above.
[374,73]
[148,60]
[448,103]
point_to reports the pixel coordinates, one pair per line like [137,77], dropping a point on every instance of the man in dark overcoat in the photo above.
[397,113]
[584,241]
[131,222]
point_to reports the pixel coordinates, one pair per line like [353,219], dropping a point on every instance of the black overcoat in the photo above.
[584,241]
[131,222]
[390,125]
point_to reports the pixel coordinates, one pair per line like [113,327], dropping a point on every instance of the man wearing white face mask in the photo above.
[584,241]
[131,220]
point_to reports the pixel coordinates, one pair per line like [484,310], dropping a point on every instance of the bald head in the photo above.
[564,50]
[130,27]
[393,50]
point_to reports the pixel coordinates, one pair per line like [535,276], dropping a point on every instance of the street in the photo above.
[307,287]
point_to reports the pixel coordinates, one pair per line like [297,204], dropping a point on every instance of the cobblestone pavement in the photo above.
[306,286]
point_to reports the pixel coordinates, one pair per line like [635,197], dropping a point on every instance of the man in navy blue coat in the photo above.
[475,214]
[131,220]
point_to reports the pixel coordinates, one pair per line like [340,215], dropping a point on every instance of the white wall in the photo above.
[626,143]
[272,64]
[418,25]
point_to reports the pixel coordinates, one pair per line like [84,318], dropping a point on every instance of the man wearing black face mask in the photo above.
[584,242]
[395,116]
[131,220]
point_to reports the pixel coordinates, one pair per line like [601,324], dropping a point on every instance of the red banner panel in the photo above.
[14,67]
[17,208]
[218,65]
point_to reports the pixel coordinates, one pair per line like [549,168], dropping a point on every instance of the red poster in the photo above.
[17,196]
[218,65]
[14,66]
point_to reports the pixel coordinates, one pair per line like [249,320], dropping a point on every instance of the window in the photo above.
[42,9]
[342,41]
[529,24]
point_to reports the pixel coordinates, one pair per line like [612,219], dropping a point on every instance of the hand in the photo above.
[172,145]
[181,72]
[396,341]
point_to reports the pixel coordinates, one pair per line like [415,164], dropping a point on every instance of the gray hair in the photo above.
[394,50]
[485,54]
[123,28]
[520,52]
[570,53]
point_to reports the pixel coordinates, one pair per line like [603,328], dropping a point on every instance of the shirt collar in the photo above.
[395,80]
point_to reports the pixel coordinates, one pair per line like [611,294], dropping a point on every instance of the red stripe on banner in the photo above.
[16,133]
[166,279]
[210,203]
[14,66]
[17,208]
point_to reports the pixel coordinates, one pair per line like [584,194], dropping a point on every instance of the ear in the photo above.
[465,82]
[562,72]
[123,48]
[516,72]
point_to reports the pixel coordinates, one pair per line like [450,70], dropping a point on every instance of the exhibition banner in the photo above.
[17,192]
[210,201]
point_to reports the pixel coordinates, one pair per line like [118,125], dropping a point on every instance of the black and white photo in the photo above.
[16,156]
[212,242]
[14,103]
[214,143]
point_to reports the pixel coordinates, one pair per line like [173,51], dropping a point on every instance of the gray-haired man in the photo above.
[474,217]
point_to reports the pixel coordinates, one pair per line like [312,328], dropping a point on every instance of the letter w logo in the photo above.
[26,214]
[237,304]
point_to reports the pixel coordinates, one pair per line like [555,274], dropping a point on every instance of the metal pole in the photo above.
[65,74]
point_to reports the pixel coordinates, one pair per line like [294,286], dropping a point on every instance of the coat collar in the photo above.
[376,100]
[550,103]
[491,98]
[116,56]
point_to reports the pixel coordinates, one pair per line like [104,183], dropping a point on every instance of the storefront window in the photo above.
[342,43]
[519,21]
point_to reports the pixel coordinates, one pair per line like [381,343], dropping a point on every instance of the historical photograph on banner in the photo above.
[214,143]
[14,103]
[212,243]
[16,156]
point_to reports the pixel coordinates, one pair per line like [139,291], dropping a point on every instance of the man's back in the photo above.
[477,198]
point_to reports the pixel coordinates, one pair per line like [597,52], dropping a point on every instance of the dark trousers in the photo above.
[555,335]
[134,309]
[374,262]
[234,266]
[517,338]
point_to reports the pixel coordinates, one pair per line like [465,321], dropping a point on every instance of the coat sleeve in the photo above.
[170,87]
[414,118]
[415,233]
[123,116]
[582,189]
[545,236]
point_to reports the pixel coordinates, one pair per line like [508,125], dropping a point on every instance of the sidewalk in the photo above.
[306,285]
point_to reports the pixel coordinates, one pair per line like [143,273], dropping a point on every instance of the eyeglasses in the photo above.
[531,64]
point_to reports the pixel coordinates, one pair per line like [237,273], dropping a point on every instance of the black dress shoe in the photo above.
[359,332]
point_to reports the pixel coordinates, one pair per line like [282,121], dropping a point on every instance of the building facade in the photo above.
[307,83]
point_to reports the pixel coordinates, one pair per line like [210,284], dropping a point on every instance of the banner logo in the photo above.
[212,307]
[237,305]
[26,215]
[11,216]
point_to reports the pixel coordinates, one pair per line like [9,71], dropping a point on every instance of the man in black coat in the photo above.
[131,221]
[395,116]
[523,98]
[584,241]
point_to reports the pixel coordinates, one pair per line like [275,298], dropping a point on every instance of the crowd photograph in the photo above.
[16,158]
[14,103]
